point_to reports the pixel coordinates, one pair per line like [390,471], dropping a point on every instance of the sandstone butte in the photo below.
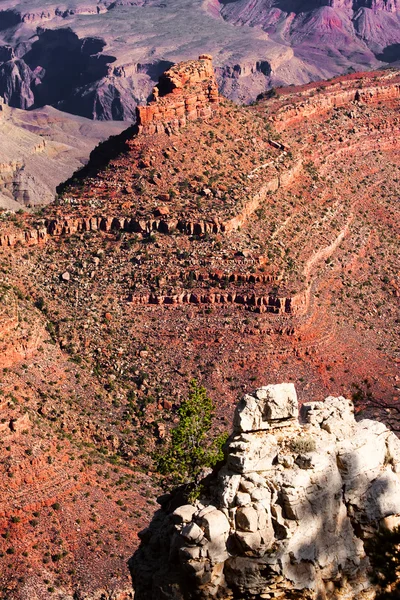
[233,244]
[185,92]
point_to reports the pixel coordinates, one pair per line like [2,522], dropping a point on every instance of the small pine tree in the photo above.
[384,555]
[189,449]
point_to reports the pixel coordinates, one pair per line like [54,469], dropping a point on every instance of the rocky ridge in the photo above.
[185,92]
[287,515]
[337,95]
[172,256]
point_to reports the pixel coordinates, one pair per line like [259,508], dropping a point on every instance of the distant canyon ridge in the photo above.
[101,59]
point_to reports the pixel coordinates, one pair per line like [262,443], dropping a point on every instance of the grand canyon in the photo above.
[240,245]
[99,59]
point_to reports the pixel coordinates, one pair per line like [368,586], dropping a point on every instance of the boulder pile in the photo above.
[288,513]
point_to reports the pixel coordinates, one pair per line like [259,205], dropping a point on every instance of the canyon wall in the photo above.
[288,513]
[261,44]
[324,99]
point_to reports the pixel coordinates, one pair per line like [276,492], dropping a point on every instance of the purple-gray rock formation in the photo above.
[101,59]
[326,35]
[16,81]
[41,148]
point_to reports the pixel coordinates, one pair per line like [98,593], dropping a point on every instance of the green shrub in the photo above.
[189,449]
[303,444]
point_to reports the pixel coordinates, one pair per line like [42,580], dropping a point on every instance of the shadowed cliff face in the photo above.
[62,62]
[391,53]
[71,73]
[56,65]
[9,18]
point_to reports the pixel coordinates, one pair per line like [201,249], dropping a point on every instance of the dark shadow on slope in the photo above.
[367,406]
[99,158]
[62,62]
[9,18]
[156,69]
[101,100]
[390,54]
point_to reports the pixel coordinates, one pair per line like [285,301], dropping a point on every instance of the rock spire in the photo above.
[185,92]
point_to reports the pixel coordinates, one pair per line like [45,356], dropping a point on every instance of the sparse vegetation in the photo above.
[189,449]
[303,445]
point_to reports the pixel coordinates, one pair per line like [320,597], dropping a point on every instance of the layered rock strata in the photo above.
[288,513]
[339,95]
[259,303]
[184,93]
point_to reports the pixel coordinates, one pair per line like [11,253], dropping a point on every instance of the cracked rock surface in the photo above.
[286,515]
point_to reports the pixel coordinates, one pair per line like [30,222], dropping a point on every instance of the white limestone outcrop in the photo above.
[288,513]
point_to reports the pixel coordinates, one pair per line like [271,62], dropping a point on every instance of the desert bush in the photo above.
[303,444]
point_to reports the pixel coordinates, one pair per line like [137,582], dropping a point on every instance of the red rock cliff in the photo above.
[186,92]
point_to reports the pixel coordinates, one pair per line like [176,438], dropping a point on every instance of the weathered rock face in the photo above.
[184,93]
[287,514]
[16,79]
